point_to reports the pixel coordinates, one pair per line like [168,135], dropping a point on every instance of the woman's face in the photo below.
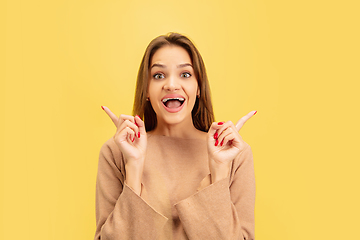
[172,85]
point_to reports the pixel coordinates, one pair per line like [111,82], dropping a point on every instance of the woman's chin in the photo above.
[174,116]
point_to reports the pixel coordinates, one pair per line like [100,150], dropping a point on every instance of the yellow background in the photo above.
[296,62]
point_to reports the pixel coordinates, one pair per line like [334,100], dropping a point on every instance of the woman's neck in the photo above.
[181,130]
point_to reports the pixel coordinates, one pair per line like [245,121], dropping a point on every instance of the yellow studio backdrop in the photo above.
[296,62]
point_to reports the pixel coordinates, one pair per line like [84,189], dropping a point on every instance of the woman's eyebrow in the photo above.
[178,66]
[184,65]
[158,65]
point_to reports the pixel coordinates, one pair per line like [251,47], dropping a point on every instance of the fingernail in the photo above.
[102,108]
[222,142]
[133,140]
[138,134]
[220,123]
[216,142]
[255,112]
[138,116]
[216,135]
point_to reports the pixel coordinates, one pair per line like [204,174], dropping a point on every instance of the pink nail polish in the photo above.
[220,123]
[216,135]
[255,112]
[102,108]
[138,134]
[216,142]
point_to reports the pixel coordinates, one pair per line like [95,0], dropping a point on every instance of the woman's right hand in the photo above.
[130,137]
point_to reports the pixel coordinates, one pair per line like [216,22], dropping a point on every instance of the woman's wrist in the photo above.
[219,171]
[134,176]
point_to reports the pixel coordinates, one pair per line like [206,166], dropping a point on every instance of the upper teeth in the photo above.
[167,99]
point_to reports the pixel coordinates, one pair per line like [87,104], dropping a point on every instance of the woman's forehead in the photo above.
[171,55]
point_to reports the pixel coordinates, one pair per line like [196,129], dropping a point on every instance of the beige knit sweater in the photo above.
[177,200]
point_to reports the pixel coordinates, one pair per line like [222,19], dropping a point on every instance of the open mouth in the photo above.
[173,103]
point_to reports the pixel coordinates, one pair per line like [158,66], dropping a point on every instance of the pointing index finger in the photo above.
[243,120]
[113,117]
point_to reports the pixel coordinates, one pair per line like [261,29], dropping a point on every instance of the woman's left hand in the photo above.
[224,144]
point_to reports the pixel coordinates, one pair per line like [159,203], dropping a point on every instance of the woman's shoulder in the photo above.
[110,152]
[109,145]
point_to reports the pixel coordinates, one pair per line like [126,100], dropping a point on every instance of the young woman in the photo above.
[176,174]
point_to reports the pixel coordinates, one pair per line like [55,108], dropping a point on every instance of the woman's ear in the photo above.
[198,92]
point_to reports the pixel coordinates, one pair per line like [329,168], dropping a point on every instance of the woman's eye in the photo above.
[186,75]
[158,76]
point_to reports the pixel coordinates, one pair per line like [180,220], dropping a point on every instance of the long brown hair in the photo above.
[202,113]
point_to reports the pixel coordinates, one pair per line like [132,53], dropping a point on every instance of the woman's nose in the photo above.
[171,84]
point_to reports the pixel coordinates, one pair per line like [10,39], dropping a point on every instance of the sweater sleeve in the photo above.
[224,209]
[120,212]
